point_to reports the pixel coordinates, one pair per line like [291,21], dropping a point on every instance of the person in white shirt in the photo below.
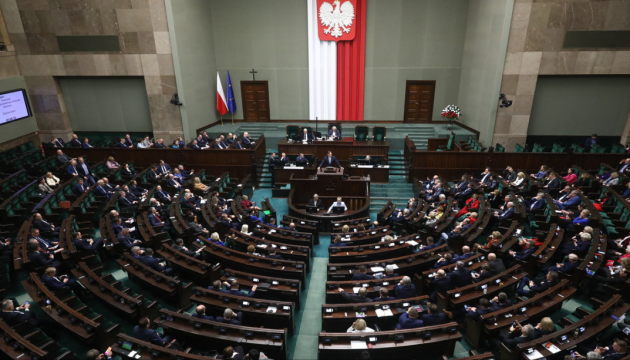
[338,203]
[359,326]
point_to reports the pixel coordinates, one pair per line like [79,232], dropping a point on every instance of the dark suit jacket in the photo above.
[154,220]
[40,258]
[152,262]
[203,317]
[460,277]
[148,335]
[318,204]
[309,136]
[336,133]
[16,317]
[75,143]
[405,291]
[236,320]
[497,265]
[79,189]
[53,284]
[125,241]
[506,214]
[42,225]
[354,298]
[434,319]
[195,146]
[441,285]
[405,322]
[329,162]
[361,276]
[554,184]
[523,255]
[82,244]
[166,166]
[157,145]
[122,145]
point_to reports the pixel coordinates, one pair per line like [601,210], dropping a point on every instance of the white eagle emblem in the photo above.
[337,19]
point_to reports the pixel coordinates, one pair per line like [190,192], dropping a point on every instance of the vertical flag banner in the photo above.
[231,104]
[221,104]
[322,70]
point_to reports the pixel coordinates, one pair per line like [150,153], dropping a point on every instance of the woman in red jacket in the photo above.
[249,206]
[472,204]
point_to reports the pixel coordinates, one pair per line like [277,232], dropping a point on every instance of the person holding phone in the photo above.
[62,282]
[13,315]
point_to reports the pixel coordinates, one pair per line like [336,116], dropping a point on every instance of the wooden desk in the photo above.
[283,175]
[333,296]
[378,174]
[442,342]
[279,289]
[344,149]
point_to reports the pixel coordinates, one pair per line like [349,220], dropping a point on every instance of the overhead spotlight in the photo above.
[504,101]
[175,100]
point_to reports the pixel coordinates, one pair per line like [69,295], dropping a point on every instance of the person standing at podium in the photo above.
[338,203]
[330,161]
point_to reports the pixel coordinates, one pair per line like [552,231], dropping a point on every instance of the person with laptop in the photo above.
[338,204]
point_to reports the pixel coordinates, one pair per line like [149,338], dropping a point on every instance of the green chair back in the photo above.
[361,133]
[380,133]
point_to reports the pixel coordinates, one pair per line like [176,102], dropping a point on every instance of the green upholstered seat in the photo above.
[361,132]
[379,133]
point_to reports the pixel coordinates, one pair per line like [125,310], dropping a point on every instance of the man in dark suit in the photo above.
[162,195]
[553,183]
[246,140]
[123,144]
[272,254]
[195,145]
[217,144]
[359,297]
[500,301]
[567,267]
[271,162]
[334,133]
[527,335]
[536,203]
[383,295]
[187,202]
[329,161]
[179,246]
[40,257]
[84,171]
[128,140]
[360,273]
[159,144]
[618,350]
[590,142]
[405,289]
[44,226]
[125,203]
[127,241]
[434,316]
[506,213]
[460,276]
[45,244]
[75,142]
[164,168]
[108,186]
[409,320]
[316,202]
[230,318]
[137,190]
[440,284]
[144,333]
[551,279]
[155,220]
[172,181]
[71,169]
[86,144]
[485,273]
[284,158]
[234,288]
[87,244]
[154,263]
[57,142]
[16,315]
[200,313]
[495,264]
[526,253]
[62,282]
[336,242]
[571,201]
[62,158]
[306,135]
[238,145]
[301,160]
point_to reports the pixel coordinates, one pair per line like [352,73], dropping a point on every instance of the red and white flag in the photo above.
[221,103]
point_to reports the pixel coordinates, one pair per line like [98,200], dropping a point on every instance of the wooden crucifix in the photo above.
[254,72]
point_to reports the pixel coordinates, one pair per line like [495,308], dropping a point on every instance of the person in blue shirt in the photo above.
[409,320]
[200,313]
[583,219]
[405,289]
[572,200]
[541,174]
[337,242]
[536,203]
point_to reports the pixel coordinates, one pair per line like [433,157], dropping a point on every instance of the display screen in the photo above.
[14,106]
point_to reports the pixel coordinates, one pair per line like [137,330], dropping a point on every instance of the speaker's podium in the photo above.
[330,181]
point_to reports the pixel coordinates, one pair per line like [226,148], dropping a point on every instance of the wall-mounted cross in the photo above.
[254,72]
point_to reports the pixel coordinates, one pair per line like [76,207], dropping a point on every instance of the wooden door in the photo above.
[419,97]
[255,95]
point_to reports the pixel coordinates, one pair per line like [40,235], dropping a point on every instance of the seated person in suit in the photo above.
[62,158]
[358,298]
[162,195]
[238,145]
[196,227]
[44,226]
[330,161]
[334,133]
[164,168]
[571,200]
[409,320]
[159,144]
[506,213]
[618,350]
[434,316]
[195,145]
[234,288]
[430,245]
[383,295]
[247,141]
[87,244]
[301,160]
[229,317]
[405,289]
[306,135]
[123,144]
[16,315]
[86,144]
[143,332]
[439,284]
[338,203]
[460,276]
[43,243]
[187,202]
[272,254]
[553,182]
[526,253]
[71,169]
[154,263]
[179,246]
[500,301]
[316,202]
[360,273]
[567,267]
[62,282]
[217,144]
[551,279]
[127,204]
[154,219]
[389,272]
[536,203]
[495,263]
[284,158]
[484,273]
[40,257]
[337,242]
[200,313]
[127,241]
[447,259]
[527,334]
[75,142]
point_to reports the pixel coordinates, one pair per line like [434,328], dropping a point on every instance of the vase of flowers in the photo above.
[451,112]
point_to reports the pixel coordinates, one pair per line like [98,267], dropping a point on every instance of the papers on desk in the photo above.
[262,246]
[534,355]
[377,269]
[272,231]
[412,242]
[132,229]
[131,221]
[381,312]
[393,266]
[295,167]
[272,309]
[356,289]
[552,348]
[365,166]
[356,344]
[203,201]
